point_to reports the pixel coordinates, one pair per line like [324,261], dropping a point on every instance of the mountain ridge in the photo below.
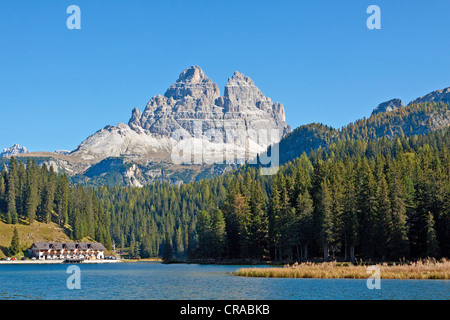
[413,119]
[391,119]
[191,104]
[14,150]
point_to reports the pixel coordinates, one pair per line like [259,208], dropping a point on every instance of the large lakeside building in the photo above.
[67,250]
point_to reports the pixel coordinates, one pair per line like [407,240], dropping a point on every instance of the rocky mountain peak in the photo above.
[193,74]
[435,96]
[242,95]
[193,83]
[240,79]
[388,106]
[13,151]
[191,101]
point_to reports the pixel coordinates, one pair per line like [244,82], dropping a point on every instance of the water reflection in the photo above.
[179,281]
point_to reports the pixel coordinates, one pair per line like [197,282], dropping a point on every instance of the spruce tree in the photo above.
[367,207]
[432,243]
[326,235]
[259,224]
[350,212]
[168,252]
[32,191]
[204,233]
[15,243]
[217,233]
[304,211]
[399,246]
[2,193]
[383,227]
[11,196]
[274,216]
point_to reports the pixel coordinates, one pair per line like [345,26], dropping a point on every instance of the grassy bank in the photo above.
[423,269]
[37,232]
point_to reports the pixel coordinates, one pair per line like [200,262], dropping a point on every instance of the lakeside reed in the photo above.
[422,269]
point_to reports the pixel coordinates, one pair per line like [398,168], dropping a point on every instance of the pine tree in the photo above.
[367,208]
[132,246]
[2,193]
[21,190]
[15,243]
[319,176]
[274,216]
[383,227]
[217,233]
[304,211]
[286,221]
[204,233]
[137,250]
[179,244]
[11,196]
[337,207]
[62,199]
[399,246]
[168,252]
[259,225]
[326,235]
[432,243]
[32,191]
[350,212]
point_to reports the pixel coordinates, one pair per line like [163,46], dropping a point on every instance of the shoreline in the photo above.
[55,262]
[142,260]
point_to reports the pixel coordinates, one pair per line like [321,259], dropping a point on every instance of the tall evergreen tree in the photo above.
[32,191]
[325,219]
[217,233]
[432,243]
[383,227]
[15,243]
[304,211]
[12,216]
[399,246]
[168,251]
[204,232]
[367,207]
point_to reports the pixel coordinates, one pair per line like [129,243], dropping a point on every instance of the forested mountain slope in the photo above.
[411,120]
[382,199]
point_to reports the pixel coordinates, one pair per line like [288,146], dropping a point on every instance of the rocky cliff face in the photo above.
[388,106]
[13,151]
[139,153]
[442,95]
[193,107]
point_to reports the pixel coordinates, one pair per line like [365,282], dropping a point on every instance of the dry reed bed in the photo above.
[423,269]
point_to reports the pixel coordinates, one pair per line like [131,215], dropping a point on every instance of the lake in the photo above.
[153,280]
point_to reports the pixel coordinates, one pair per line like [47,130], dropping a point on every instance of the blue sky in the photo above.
[318,58]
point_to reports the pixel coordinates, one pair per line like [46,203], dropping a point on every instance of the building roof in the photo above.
[68,245]
[82,246]
[41,245]
[57,245]
[97,246]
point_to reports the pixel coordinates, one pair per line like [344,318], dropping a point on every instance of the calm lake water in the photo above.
[154,280]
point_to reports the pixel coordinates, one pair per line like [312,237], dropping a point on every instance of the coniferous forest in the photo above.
[31,193]
[382,199]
